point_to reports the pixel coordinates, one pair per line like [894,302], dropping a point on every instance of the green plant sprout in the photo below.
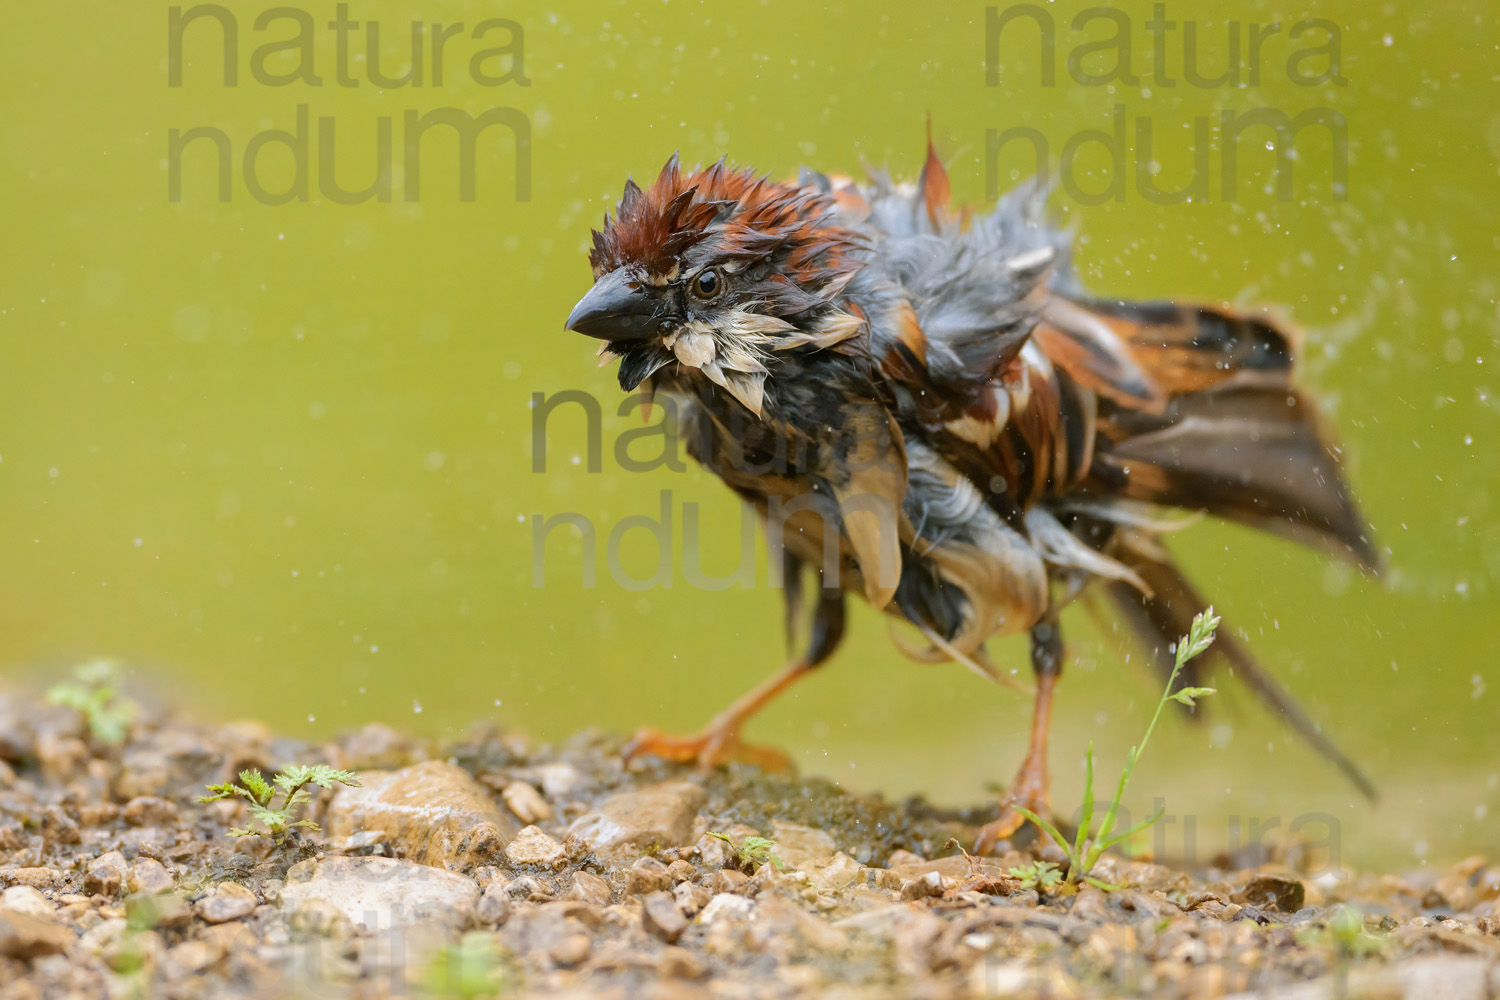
[1087,846]
[753,851]
[292,782]
[470,969]
[1038,875]
[1343,934]
[95,693]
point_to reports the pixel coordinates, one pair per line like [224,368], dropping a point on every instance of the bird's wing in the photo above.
[1180,405]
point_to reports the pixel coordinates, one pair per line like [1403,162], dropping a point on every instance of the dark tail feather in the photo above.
[1235,437]
[1159,620]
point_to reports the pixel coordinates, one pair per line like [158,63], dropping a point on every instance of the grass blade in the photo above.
[1047,828]
[1086,817]
[1142,825]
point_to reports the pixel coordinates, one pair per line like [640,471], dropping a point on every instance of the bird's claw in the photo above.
[1011,819]
[708,749]
[1029,793]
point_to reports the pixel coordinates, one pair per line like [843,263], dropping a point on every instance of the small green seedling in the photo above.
[471,969]
[1038,875]
[94,691]
[141,915]
[1088,846]
[1344,934]
[754,852]
[292,783]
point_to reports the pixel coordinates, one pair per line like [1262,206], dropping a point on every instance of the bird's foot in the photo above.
[1029,793]
[1011,819]
[718,744]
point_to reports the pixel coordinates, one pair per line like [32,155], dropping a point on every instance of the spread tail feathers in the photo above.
[1200,411]
[1160,619]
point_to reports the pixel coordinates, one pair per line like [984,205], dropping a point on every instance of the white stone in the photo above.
[25,899]
[382,893]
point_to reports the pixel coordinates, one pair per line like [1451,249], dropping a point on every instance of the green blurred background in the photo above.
[278,458]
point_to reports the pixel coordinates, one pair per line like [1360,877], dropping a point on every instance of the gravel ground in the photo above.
[495,867]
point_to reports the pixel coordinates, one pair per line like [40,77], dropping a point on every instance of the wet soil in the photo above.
[493,866]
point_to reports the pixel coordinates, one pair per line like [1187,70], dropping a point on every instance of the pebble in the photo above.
[548,934]
[648,875]
[585,913]
[25,936]
[725,881]
[531,846]
[660,814]
[17,732]
[149,876]
[1090,904]
[679,963]
[163,912]
[61,757]
[661,917]
[1278,892]
[691,898]
[1147,903]
[319,918]
[148,810]
[60,828]
[106,875]
[102,935]
[558,780]
[382,893]
[526,802]
[590,888]
[572,950]
[832,874]
[37,878]
[191,957]
[726,908]
[231,901]
[98,814]
[797,844]
[167,762]
[922,886]
[532,889]
[433,814]
[494,905]
[26,899]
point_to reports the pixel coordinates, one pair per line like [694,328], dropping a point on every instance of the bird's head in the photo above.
[714,271]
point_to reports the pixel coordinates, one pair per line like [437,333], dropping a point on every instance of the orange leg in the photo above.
[720,739]
[1029,790]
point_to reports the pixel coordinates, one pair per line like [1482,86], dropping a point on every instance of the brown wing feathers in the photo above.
[1174,405]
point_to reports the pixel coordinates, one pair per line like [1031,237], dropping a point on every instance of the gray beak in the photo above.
[616,308]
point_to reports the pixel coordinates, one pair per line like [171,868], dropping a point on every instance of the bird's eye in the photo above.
[708,284]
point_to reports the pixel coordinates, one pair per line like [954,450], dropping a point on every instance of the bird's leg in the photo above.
[720,739]
[1029,790]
